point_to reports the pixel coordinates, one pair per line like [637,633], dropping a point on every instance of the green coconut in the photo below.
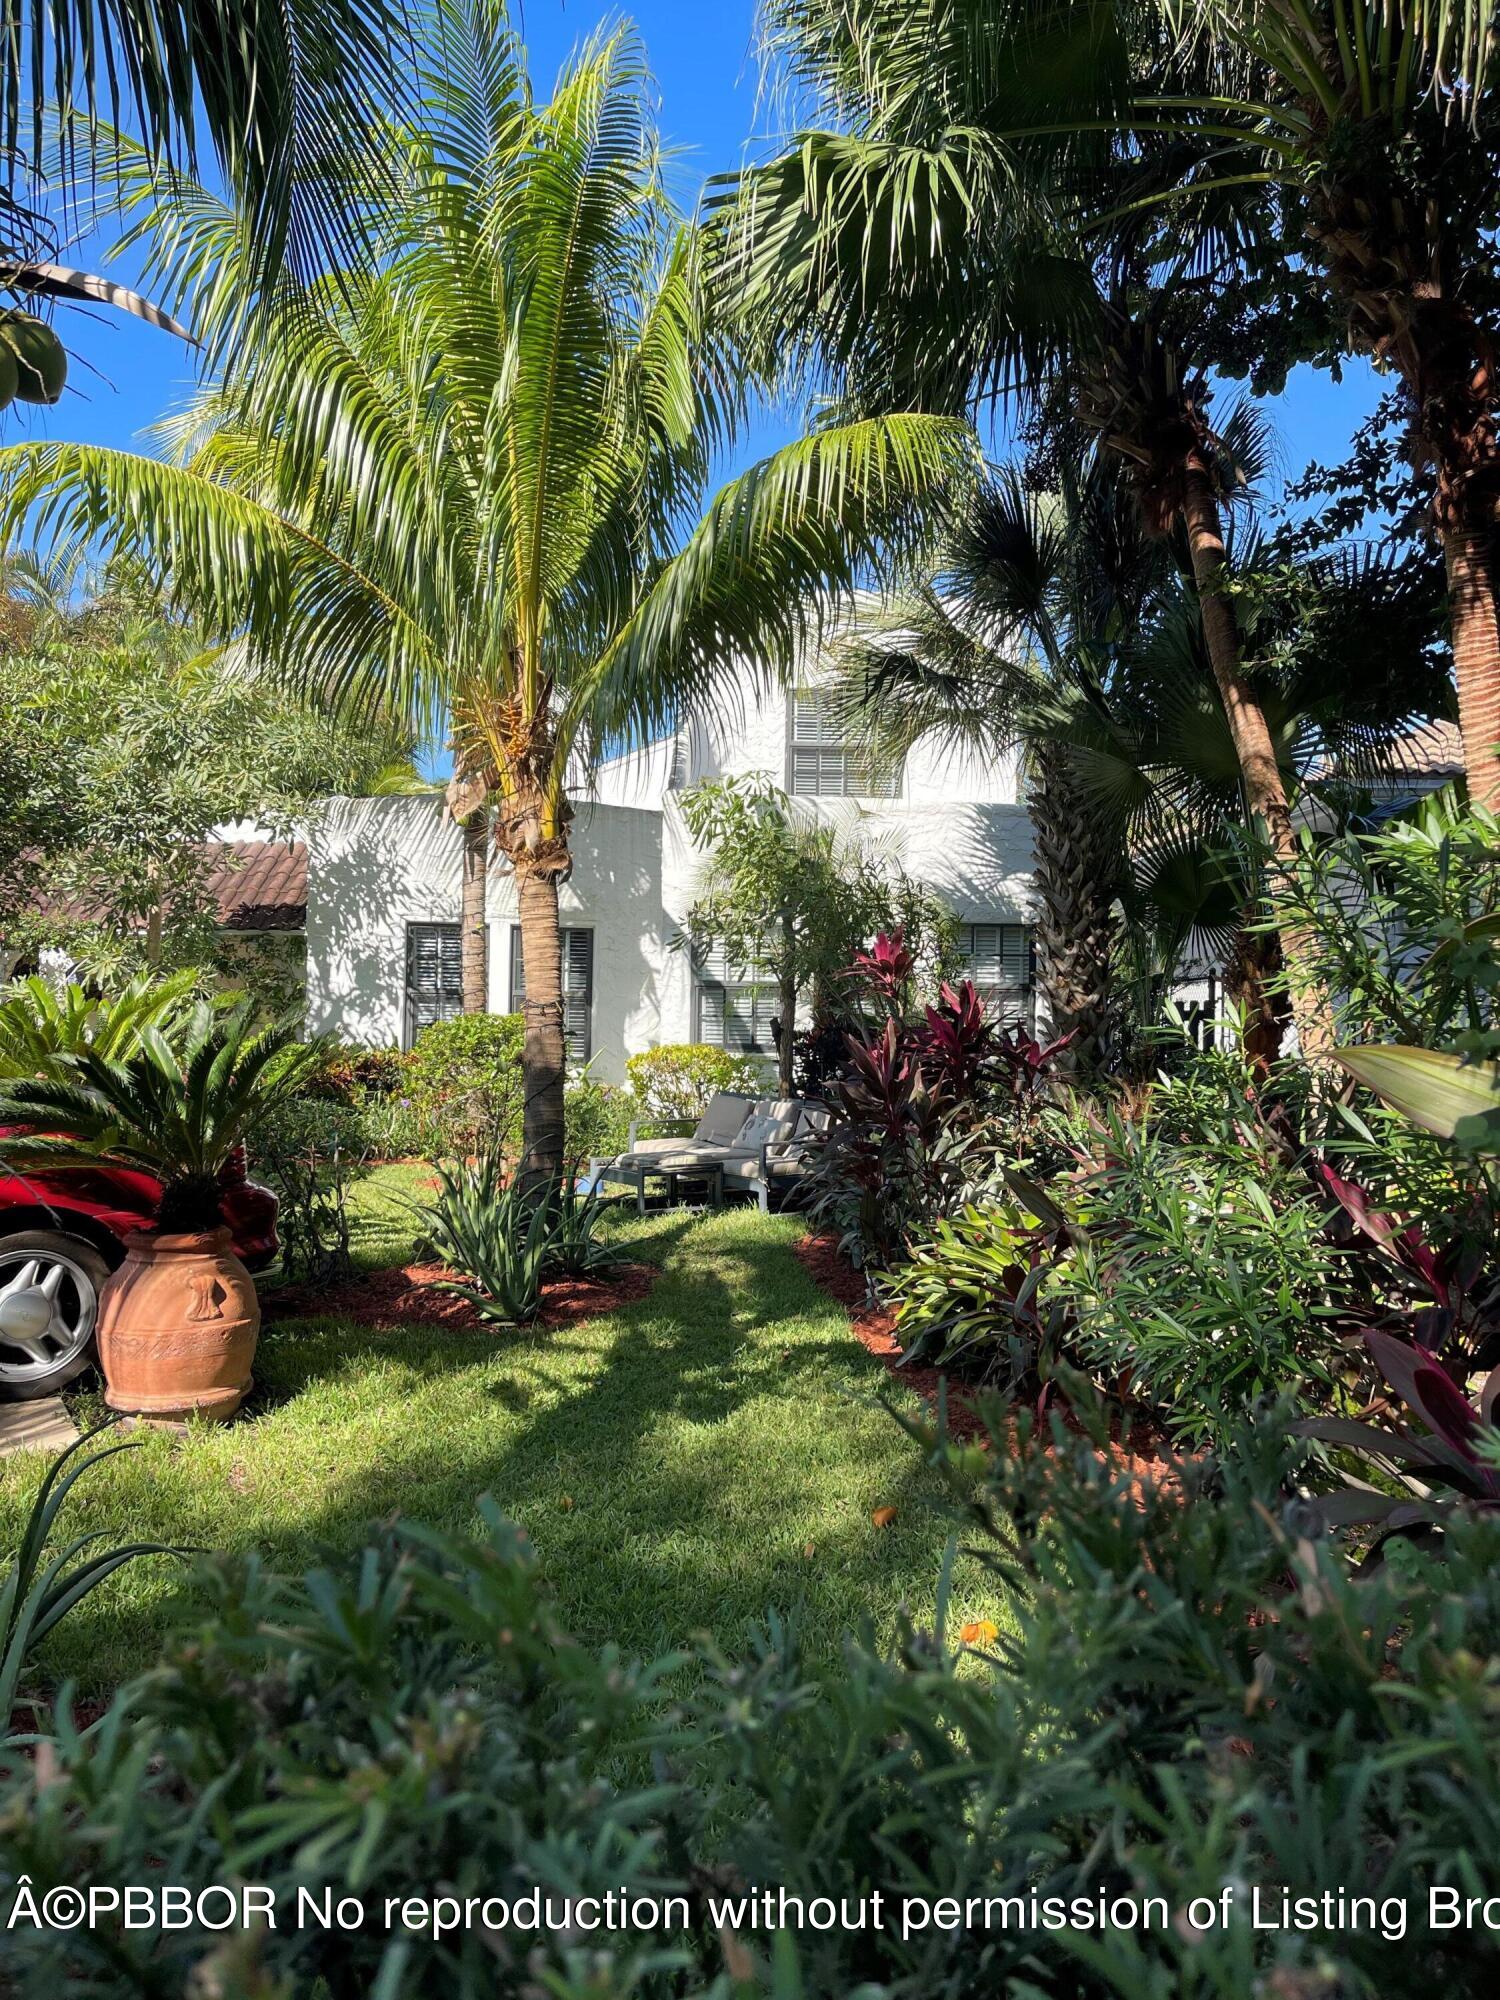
[40,359]
[9,377]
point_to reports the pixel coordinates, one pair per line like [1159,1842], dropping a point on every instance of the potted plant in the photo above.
[179,1318]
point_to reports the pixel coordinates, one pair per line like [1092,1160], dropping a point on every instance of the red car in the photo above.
[62,1233]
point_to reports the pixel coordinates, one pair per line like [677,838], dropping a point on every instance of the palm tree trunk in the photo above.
[473,922]
[544,1048]
[1473,608]
[1259,771]
[787,999]
[1077,877]
[1251,978]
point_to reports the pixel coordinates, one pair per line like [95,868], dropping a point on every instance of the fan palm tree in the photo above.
[1056,627]
[960,229]
[462,481]
[1379,122]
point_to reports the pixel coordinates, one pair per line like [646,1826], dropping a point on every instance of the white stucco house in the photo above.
[383,886]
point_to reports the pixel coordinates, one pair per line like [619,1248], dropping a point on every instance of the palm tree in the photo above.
[277,91]
[462,480]
[962,229]
[1056,626]
[1009,646]
[1378,121]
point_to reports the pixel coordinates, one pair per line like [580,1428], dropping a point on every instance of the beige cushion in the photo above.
[647,1148]
[722,1120]
[758,1131]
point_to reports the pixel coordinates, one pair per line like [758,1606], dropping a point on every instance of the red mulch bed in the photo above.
[1148,1455]
[388,1300]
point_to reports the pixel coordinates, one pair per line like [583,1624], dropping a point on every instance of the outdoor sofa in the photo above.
[749,1144]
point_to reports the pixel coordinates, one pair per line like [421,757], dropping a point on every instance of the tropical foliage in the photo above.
[460,478]
[178,1109]
[968,1764]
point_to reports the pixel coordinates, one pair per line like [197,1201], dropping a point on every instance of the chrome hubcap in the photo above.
[47,1309]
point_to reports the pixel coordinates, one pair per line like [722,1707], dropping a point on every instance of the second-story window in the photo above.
[823,765]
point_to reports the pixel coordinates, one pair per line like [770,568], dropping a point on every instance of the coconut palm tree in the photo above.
[1378,122]
[463,480]
[966,225]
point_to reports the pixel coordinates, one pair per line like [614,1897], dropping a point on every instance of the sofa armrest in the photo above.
[634,1134]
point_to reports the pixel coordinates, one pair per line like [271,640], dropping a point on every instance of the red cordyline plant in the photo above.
[1451,1292]
[1439,1445]
[885,971]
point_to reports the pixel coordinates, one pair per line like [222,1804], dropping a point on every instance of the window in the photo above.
[434,976]
[577,984]
[821,765]
[732,1008]
[1000,961]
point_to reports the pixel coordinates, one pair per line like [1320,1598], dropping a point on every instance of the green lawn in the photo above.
[681,1464]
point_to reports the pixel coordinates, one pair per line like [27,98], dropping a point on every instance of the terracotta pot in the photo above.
[178,1323]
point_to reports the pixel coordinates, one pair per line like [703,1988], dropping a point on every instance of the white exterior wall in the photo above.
[376,865]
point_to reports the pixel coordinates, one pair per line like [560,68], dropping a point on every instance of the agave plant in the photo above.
[40,1028]
[177,1109]
[34,1595]
[575,1250]
[495,1232]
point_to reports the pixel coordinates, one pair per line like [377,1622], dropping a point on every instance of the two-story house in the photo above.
[383,885]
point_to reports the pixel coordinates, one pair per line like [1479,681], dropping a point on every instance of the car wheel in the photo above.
[49,1303]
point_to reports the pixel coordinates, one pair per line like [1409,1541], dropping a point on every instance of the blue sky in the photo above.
[124,374]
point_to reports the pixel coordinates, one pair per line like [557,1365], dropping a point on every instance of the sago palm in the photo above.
[177,1108]
[1378,122]
[464,480]
[964,225]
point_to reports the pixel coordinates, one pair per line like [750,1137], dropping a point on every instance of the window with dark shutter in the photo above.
[434,976]
[734,1007]
[999,958]
[822,767]
[577,985]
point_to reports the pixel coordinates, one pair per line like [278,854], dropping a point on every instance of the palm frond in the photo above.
[779,549]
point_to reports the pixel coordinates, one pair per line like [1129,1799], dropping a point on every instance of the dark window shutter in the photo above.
[999,958]
[434,976]
[577,984]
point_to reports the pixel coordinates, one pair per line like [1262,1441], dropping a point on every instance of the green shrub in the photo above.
[354,1075]
[675,1082]
[573,1246]
[312,1150]
[394,1129]
[596,1120]
[464,1077]
[972,1295]
[493,1232]
[1193,1692]
[1205,1275]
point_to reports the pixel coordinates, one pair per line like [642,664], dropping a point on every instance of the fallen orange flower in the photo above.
[979,1632]
[883,1516]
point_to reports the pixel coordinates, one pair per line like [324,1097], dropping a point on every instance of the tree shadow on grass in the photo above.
[682,1463]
